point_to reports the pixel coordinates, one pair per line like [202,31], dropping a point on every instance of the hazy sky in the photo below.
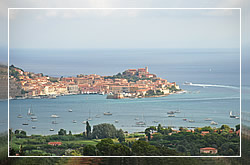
[87,29]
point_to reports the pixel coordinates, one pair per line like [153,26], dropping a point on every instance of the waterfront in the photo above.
[198,104]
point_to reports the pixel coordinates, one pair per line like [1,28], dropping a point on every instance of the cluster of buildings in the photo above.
[35,85]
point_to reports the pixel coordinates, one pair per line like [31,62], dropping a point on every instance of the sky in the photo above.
[124,29]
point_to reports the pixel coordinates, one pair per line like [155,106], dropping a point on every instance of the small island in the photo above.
[132,83]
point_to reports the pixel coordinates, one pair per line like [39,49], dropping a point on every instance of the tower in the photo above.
[146,68]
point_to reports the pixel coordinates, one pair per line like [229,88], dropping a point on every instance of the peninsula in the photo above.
[131,83]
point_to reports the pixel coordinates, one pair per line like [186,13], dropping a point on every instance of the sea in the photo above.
[214,92]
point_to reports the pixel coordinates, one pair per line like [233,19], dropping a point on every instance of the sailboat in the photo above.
[30,112]
[213,123]
[231,114]
[54,122]
[184,119]
[89,119]
[97,116]
[141,123]
[19,116]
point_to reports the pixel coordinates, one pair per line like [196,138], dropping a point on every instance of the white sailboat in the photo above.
[141,123]
[213,123]
[231,114]
[30,111]
[19,116]
[89,119]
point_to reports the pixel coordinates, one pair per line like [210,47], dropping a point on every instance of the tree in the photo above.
[237,127]
[89,150]
[23,133]
[225,127]
[121,136]
[17,131]
[119,150]
[88,129]
[21,153]
[104,146]
[159,128]
[143,148]
[70,133]
[181,148]
[62,132]
[104,131]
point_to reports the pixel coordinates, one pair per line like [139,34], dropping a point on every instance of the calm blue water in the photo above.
[194,106]
[174,65]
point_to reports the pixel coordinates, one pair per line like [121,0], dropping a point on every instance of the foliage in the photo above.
[88,129]
[62,132]
[104,130]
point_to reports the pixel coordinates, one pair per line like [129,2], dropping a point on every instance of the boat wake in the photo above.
[212,85]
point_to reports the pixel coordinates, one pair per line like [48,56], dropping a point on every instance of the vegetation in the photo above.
[105,140]
[154,93]
[189,143]
[130,78]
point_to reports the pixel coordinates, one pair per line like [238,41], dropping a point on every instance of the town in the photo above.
[132,83]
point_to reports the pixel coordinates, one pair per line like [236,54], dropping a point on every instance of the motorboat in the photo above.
[33,117]
[19,116]
[107,113]
[171,115]
[208,119]
[70,110]
[187,83]
[54,116]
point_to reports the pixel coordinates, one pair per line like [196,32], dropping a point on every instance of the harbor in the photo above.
[191,110]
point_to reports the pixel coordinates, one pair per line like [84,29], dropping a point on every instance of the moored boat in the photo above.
[231,114]
[107,113]
[171,115]
[213,123]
